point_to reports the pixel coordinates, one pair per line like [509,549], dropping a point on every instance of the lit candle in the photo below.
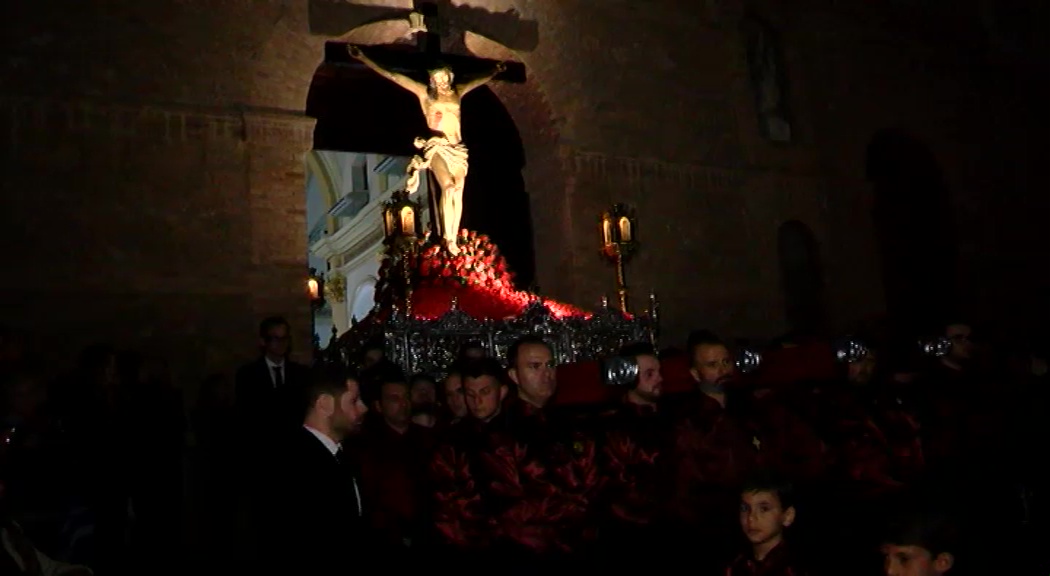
[408,221]
[313,288]
[625,229]
[606,229]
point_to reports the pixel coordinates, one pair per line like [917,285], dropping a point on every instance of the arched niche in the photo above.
[914,227]
[801,277]
[363,298]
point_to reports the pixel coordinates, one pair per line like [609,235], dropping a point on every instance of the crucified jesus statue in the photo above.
[443,153]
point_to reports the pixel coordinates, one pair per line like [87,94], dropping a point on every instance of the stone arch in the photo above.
[495,201]
[281,80]
[913,225]
[546,169]
[801,277]
[496,198]
[546,181]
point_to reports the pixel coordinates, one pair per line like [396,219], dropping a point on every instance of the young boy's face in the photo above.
[914,561]
[762,517]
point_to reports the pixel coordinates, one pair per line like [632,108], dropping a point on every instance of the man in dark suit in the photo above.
[316,499]
[269,390]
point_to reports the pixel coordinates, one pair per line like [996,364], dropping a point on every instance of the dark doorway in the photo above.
[801,277]
[357,111]
[913,224]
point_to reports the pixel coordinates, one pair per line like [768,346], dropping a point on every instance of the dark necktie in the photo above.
[350,475]
[278,376]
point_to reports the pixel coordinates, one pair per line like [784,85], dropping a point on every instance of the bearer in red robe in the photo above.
[466,511]
[395,453]
[716,446]
[637,441]
[521,487]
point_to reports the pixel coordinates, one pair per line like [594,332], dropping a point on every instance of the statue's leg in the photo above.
[455,195]
[434,204]
[450,202]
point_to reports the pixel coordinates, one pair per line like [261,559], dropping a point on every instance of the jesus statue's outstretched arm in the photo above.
[417,88]
[466,87]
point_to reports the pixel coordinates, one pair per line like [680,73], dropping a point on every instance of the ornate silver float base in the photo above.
[431,346]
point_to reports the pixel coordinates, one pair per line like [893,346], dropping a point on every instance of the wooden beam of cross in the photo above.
[417,64]
[445,22]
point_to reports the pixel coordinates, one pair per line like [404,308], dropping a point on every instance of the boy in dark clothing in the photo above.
[767,508]
[920,544]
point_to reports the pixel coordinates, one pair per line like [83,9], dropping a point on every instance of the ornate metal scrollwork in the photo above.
[430,346]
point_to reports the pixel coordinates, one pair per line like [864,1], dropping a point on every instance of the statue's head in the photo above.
[441,78]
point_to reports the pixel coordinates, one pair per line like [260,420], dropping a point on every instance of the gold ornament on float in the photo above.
[335,287]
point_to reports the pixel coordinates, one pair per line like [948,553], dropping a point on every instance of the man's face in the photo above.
[423,393]
[650,381]
[395,404]
[484,395]
[454,396]
[349,411]
[962,344]
[712,365]
[534,372]
[762,517]
[914,561]
[277,341]
[441,79]
[862,371]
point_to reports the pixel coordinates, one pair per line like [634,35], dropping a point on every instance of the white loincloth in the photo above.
[454,155]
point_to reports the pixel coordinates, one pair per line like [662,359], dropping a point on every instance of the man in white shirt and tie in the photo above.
[269,390]
[317,510]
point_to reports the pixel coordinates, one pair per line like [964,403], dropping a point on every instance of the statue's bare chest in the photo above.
[444,107]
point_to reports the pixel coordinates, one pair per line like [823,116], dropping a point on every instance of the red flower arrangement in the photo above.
[478,263]
[478,276]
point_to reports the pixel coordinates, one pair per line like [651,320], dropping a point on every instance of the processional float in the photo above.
[442,290]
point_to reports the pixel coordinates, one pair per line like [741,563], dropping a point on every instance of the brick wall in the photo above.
[156,194]
[173,227]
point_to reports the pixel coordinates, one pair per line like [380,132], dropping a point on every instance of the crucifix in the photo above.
[442,155]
